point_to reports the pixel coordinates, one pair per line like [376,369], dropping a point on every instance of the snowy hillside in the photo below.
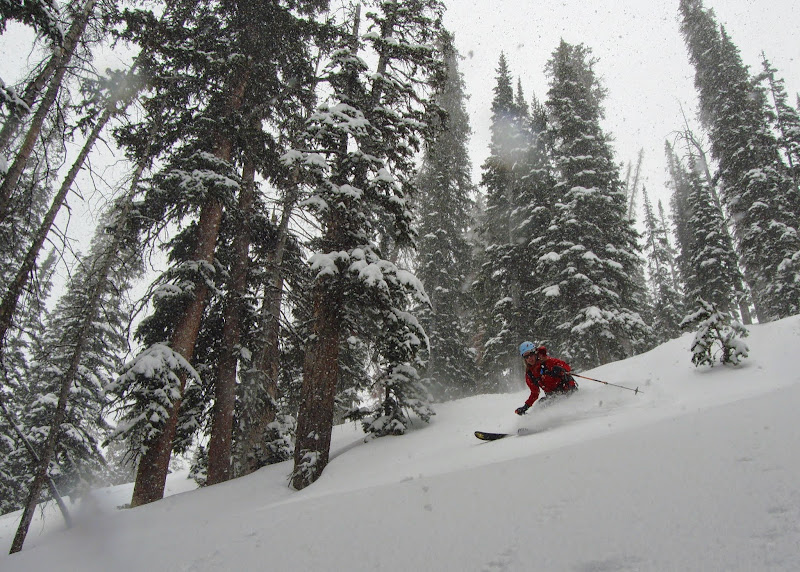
[700,471]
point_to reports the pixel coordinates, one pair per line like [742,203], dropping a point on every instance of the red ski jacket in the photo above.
[552,375]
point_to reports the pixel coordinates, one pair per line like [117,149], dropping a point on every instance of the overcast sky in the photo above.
[643,61]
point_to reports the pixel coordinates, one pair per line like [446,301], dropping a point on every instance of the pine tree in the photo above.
[360,153]
[717,334]
[755,184]
[710,257]
[511,177]
[679,205]
[787,119]
[667,306]
[64,54]
[444,255]
[76,359]
[231,74]
[265,409]
[41,15]
[17,465]
[591,253]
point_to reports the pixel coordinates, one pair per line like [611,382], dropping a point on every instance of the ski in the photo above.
[486,436]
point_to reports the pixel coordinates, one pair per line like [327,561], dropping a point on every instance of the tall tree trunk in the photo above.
[262,378]
[219,446]
[320,378]
[151,474]
[321,361]
[18,166]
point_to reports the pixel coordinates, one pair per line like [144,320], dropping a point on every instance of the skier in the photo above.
[549,374]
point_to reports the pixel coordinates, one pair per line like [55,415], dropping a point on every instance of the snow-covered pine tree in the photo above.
[41,15]
[688,188]
[14,460]
[591,254]
[360,156]
[46,129]
[16,392]
[672,252]
[504,282]
[212,67]
[82,349]
[717,334]
[787,119]
[679,206]
[287,71]
[268,392]
[756,186]
[444,258]
[667,301]
[710,258]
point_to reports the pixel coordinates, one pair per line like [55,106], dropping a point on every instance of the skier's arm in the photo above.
[533,396]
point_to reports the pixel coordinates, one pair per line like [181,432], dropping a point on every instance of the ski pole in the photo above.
[635,391]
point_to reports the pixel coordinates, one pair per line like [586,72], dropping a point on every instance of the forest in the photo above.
[296,240]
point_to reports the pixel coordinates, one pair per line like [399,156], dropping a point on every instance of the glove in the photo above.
[522,410]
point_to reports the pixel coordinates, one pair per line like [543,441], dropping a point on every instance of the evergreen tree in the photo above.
[591,255]
[787,119]
[41,15]
[360,155]
[76,359]
[17,465]
[512,177]
[214,74]
[64,53]
[710,258]
[667,306]
[755,184]
[268,394]
[679,204]
[717,334]
[444,255]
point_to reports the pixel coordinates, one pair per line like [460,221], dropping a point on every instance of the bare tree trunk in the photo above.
[220,443]
[635,186]
[18,166]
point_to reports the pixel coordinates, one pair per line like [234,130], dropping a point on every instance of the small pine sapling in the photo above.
[716,334]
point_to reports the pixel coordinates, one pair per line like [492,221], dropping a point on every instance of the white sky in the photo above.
[643,61]
[699,471]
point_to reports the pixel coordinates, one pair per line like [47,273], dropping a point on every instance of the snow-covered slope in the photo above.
[699,471]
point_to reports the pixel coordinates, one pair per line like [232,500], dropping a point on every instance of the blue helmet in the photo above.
[526,347]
